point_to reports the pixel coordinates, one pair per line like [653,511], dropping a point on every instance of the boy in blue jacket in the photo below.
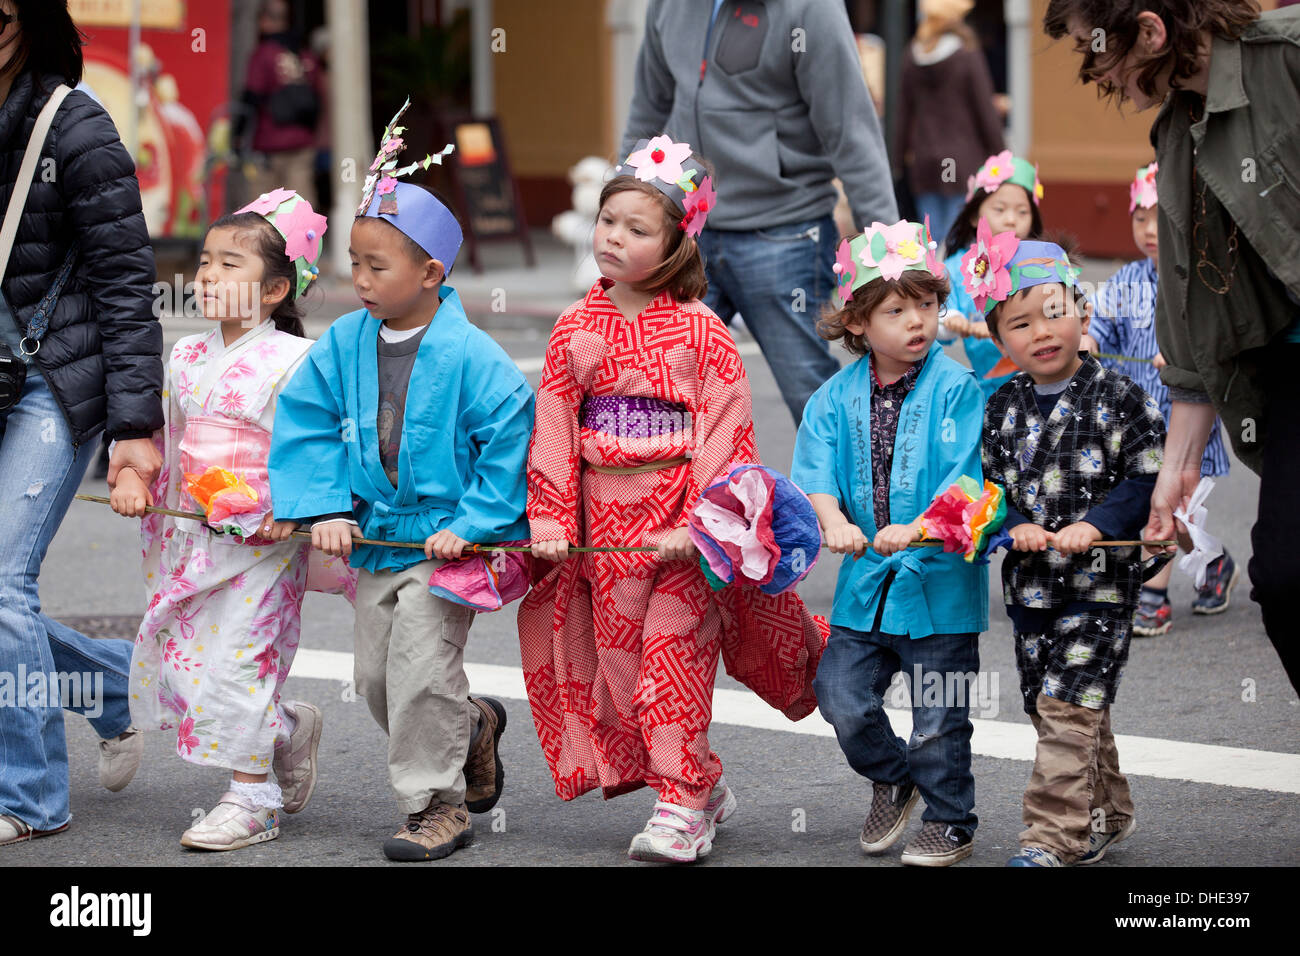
[878,442]
[406,423]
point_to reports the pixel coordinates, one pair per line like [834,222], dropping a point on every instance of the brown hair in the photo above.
[1184,20]
[276,264]
[912,284]
[682,270]
[1070,246]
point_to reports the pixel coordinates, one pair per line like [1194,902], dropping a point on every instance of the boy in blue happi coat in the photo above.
[406,423]
[878,442]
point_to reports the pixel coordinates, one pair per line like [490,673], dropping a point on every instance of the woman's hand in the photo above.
[130,495]
[551,550]
[138,454]
[678,546]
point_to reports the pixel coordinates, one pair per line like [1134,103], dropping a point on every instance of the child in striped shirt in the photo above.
[1124,328]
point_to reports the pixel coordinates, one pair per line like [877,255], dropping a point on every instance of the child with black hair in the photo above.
[1006,192]
[1077,447]
[222,625]
[406,423]
[877,443]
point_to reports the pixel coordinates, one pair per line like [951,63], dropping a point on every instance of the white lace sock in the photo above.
[264,794]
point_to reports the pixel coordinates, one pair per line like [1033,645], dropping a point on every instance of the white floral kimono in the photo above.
[219,636]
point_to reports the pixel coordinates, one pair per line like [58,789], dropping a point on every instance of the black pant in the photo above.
[1275,539]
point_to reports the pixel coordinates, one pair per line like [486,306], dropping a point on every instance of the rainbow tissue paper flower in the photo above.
[968,518]
[221,493]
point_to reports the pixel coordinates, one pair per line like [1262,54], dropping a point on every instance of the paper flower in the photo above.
[996,171]
[221,494]
[891,248]
[845,270]
[1142,191]
[268,202]
[966,517]
[660,159]
[698,204]
[302,227]
[386,185]
[984,266]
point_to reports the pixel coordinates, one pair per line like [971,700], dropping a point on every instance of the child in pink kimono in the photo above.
[221,629]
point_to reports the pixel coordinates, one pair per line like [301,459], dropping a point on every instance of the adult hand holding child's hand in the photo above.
[130,495]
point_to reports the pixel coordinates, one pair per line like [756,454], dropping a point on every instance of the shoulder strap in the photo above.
[26,172]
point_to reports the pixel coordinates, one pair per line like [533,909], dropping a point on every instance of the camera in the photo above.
[13,375]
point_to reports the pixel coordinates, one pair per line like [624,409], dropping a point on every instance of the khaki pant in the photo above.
[410,668]
[293,169]
[1076,785]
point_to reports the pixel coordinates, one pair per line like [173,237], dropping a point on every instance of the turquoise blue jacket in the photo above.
[464,452]
[981,353]
[938,441]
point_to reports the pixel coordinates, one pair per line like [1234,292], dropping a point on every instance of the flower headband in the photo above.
[885,252]
[1005,168]
[995,268]
[428,223]
[1142,191]
[670,168]
[301,226]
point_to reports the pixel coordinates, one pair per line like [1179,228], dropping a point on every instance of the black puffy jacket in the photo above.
[102,355]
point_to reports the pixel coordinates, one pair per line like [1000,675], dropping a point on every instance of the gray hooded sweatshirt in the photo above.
[773,96]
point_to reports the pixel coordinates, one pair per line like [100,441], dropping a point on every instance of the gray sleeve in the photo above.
[1191,396]
[830,81]
[652,91]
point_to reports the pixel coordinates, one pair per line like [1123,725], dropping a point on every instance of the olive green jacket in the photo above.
[1247,150]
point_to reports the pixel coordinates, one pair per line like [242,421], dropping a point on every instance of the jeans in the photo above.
[778,279]
[40,470]
[943,212]
[852,678]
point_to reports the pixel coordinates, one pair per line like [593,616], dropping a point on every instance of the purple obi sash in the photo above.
[628,416]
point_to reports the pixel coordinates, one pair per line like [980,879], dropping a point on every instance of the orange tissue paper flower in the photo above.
[221,494]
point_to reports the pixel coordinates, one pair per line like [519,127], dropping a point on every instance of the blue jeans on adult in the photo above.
[778,279]
[40,470]
[942,210]
[852,678]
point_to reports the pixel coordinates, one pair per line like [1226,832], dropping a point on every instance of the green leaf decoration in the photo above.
[1035,272]
[879,249]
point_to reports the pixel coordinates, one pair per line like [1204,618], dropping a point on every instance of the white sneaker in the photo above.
[119,758]
[673,835]
[721,805]
[233,823]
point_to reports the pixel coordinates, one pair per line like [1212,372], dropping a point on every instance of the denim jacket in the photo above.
[1246,149]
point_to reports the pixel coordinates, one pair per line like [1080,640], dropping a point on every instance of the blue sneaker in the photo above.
[1035,856]
[1099,843]
[1215,594]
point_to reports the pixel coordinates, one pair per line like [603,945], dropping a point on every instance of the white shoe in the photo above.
[295,761]
[119,758]
[233,823]
[673,835]
[721,805]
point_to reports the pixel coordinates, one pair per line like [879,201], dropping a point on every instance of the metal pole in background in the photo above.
[350,127]
[894,31]
[1020,85]
[482,92]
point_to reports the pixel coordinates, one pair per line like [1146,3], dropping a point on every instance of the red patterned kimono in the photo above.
[620,651]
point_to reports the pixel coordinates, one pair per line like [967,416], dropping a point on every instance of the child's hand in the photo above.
[278,530]
[957,324]
[980,330]
[845,538]
[551,550]
[896,537]
[334,537]
[1029,537]
[1075,538]
[130,495]
[446,544]
[1159,361]
[678,546]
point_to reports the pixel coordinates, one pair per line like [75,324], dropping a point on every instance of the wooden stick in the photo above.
[524,548]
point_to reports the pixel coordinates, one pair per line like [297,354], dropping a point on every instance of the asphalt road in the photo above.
[1214,681]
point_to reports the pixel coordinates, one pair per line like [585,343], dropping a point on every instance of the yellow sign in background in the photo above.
[154,14]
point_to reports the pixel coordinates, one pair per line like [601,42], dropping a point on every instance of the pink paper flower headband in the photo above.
[1005,168]
[1142,191]
[670,168]
[885,252]
[301,226]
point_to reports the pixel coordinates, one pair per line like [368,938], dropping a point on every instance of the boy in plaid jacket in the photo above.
[1078,448]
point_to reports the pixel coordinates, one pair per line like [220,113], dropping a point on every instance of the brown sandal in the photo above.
[25,832]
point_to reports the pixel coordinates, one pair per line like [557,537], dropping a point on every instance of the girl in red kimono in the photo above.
[643,403]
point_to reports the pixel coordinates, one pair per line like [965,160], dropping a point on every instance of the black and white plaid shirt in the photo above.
[1103,430]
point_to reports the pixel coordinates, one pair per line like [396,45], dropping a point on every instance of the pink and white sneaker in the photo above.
[721,805]
[233,823]
[673,835]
